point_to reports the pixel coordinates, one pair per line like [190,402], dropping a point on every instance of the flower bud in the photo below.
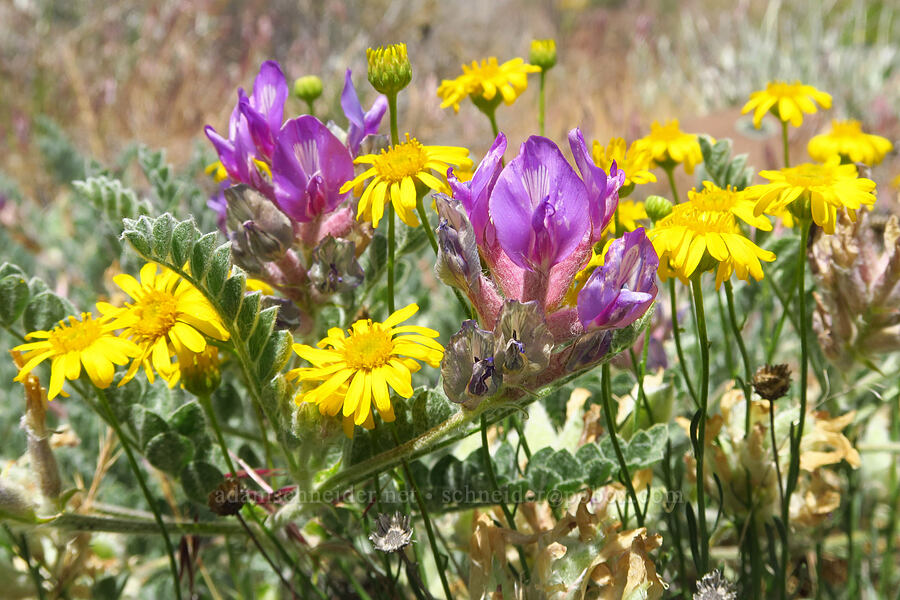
[389,68]
[200,374]
[543,54]
[14,505]
[335,268]
[308,88]
[258,230]
[522,341]
[468,366]
[657,207]
[457,263]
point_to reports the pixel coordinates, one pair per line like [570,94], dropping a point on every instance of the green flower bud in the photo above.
[657,207]
[543,54]
[389,68]
[200,372]
[308,88]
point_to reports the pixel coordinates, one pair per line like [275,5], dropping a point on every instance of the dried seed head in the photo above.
[714,586]
[392,532]
[227,499]
[772,381]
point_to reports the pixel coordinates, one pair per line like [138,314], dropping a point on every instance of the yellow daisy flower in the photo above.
[258,285]
[787,101]
[483,81]
[395,172]
[668,144]
[636,161]
[628,213]
[816,190]
[712,198]
[704,233]
[356,370]
[168,315]
[848,141]
[82,341]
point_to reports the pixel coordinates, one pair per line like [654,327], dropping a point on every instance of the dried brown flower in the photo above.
[227,499]
[772,381]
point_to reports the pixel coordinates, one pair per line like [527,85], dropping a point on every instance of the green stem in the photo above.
[423,510]
[670,173]
[700,446]
[79,522]
[606,397]
[540,104]
[676,335]
[126,446]
[214,422]
[495,487]
[785,144]
[745,357]
[492,117]
[887,562]
[359,589]
[395,140]
[266,556]
[521,431]
[309,107]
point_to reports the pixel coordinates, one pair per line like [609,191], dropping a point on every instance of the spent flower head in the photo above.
[392,532]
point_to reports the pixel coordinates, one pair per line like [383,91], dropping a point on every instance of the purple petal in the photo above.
[602,190]
[474,195]
[309,167]
[270,91]
[361,124]
[621,290]
[350,102]
[539,178]
[225,150]
[373,118]
[263,136]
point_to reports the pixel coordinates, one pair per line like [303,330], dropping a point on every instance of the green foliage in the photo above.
[160,175]
[199,478]
[111,198]
[13,298]
[719,166]
[38,307]
[61,157]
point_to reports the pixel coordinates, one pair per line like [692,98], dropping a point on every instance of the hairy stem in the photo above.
[700,443]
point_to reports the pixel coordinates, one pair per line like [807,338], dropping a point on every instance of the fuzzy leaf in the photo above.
[183,236]
[246,317]
[45,310]
[169,451]
[232,294]
[274,355]
[200,255]
[13,298]
[188,419]
[162,236]
[264,326]
[199,478]
[219,266]
[146,424]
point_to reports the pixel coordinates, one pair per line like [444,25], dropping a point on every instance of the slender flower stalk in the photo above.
[395,139]
[745,357]
[541,100]
[126,446]
[543,55]
[703,340]
[676,335]
[785,144]
[611,426]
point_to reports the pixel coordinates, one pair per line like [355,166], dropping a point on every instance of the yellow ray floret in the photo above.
[394,174]
[816,190]
[787,101]
[485,80]
[358,370]
[167,315]
[636,161]
[668,144]
[849,142]
[73,343]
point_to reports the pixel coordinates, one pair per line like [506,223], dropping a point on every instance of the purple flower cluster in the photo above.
[534,223]
[281,204]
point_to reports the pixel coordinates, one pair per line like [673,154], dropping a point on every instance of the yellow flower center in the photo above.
[713,200]
[369,349]
[846,129]
[400,161]
[699,221]
[783,90]
[76,336]
[809,175]
[156,313]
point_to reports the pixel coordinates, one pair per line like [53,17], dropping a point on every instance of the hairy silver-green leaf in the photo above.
[199,478]
[247,314]
[219,266]
[183,236]
[13,298]
[45,310]
[232,295]
[169,451]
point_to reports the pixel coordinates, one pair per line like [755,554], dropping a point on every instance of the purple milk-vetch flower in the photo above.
[309,168]
[620,291]
[539,207]
[475,194]
[252,129]
[361,124]
[603,190]
[264,108]
[219,205]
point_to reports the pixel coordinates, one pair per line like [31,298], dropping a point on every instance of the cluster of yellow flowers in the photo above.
[167,317]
